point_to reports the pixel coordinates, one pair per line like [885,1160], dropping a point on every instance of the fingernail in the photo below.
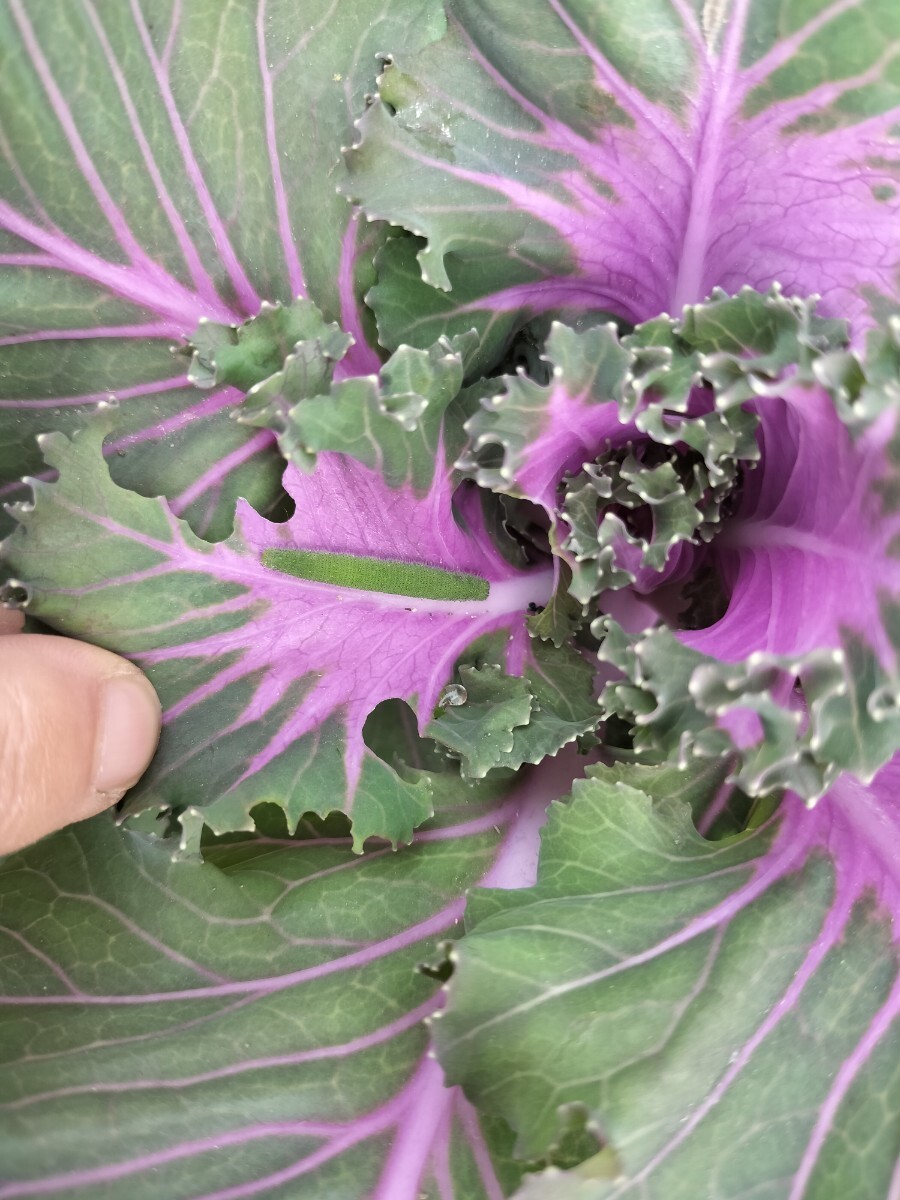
[128,732]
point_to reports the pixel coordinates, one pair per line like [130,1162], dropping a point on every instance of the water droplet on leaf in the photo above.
[452,696]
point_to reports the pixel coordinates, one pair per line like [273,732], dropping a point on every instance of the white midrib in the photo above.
[710,135]
[713,18]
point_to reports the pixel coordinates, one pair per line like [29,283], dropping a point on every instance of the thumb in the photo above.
[78,727]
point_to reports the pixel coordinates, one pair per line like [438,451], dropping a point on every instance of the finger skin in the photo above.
[78,726]
[11,620]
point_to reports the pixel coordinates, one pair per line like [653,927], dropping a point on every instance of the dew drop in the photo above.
[452,696]
[884,704]
[15,594]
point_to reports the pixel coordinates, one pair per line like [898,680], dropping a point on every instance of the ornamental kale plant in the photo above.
[480,421]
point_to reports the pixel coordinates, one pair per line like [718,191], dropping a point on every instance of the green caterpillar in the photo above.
[378,575]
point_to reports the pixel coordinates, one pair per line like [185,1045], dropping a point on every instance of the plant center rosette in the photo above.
[718,493]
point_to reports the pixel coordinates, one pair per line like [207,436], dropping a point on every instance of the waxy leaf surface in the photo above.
[247,1026]
[731,1008]
[567,155]
[161,163]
